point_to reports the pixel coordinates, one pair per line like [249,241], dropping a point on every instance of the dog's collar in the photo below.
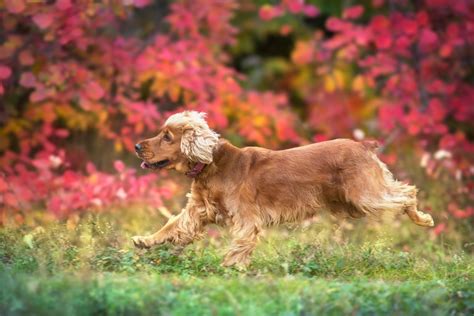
[197,169]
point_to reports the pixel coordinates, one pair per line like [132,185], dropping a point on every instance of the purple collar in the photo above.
[196,170]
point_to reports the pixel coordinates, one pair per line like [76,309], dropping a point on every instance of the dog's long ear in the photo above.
[198,142]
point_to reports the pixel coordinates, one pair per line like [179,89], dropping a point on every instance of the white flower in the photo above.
[458,175]
[424,160]
[121,194]
[358,134]
[441,154]
[96,202]
[55,161]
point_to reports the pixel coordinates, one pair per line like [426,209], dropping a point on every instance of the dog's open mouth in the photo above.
[156,165]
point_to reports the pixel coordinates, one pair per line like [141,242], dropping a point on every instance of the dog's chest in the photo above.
[215,205]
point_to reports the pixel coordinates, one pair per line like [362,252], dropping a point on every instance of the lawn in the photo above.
[87,265]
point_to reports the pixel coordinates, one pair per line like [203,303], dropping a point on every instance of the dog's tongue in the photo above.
[144,165]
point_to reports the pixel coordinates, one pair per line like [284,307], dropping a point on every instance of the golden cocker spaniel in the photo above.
[251,188]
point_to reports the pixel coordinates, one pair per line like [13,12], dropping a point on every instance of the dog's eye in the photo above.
[167,137]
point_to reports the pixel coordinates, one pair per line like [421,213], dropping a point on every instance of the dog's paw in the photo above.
[142,242]
[239,263]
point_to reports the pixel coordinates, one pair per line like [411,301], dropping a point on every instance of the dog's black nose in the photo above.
[138,147]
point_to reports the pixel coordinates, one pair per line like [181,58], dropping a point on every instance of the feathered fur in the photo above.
[251,188]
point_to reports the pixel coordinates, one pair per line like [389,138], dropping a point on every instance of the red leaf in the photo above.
[409,26]
[377,3]
[310,10]
[141,3]
[94,90]
[28,80]
[63,4]
[90,168]
[428,39]
[10,199]
[26,59]
[43,20]
[61,132]
[379,23]
[39,95]
[422,18]
[459,213]
[335,24]
[3,185]
[55,205]
[294,6]
[437,110]
[383,41]
[439,229]
[268,12]
[353,12]
[403,42]
[15,6]
[119,165]
[446,50]
[5,72]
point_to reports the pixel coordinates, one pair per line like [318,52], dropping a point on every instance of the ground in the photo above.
[87,265]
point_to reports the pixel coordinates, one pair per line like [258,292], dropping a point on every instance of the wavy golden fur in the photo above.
[251,188]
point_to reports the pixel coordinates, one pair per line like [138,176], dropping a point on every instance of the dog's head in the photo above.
[184,139]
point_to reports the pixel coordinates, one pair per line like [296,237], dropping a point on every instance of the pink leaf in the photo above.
[90,168]
[379,23]
[377,3]
[43,20]
[119,165]
[422,18]
[409,26]
[5,72]
[428,39]
[26,59]
[383,41]
[353,12]
[335,24]
[15,6]
[294,6]
[61,132]
[63,4]
[439,229]
[268,12]
[310,10]
[141,3]
[28,80]
[446,50]
[38,95]
[54,205]
[94,90]
[3,185]
[437,110]
[10,199]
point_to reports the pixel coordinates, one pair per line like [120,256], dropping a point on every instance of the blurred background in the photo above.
[82,81]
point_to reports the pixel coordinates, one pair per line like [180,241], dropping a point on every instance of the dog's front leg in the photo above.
[179,230]
[242,246]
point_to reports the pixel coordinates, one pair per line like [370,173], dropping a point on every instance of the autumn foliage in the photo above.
[94,74]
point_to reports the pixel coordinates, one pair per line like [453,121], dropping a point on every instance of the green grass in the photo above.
[88,266]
